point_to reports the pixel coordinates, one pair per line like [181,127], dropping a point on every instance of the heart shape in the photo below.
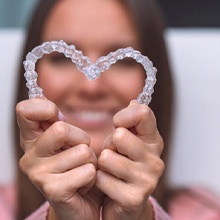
[91,70]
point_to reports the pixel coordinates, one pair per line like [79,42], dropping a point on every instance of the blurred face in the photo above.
[96,27]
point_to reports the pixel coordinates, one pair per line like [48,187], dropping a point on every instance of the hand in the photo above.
[58,160]
[129,166]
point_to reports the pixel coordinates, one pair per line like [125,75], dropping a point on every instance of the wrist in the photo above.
[147,212]
[51,214]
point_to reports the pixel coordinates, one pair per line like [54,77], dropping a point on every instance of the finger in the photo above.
[46,124]
[71,158]
[120,165]
[62,187]
[31,112]
[123,194]
[59,135]
[141,118]
[130,171]
[126,143]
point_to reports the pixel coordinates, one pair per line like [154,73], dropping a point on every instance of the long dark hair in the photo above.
[150,23]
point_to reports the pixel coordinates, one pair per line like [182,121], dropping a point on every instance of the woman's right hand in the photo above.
[58,160]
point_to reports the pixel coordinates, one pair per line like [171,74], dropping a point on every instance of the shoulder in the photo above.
[194,203]
[41,213]
[7,201]
[159,212]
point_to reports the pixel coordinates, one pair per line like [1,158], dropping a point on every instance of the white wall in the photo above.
[195,58]
[10,46]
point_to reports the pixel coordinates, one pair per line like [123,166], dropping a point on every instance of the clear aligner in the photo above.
[83,63]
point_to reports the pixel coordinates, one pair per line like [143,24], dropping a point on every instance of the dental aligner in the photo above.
[91,70]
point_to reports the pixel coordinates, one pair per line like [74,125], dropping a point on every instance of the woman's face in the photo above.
[96,27]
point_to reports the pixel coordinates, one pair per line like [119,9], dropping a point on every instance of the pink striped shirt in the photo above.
[192,204]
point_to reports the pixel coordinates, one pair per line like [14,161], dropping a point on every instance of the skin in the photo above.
[80,163]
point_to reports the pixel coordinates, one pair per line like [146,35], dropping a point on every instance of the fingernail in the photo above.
[133,102]
[61,116]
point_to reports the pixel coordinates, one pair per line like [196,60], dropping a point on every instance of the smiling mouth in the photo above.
[89,119]
[93,116]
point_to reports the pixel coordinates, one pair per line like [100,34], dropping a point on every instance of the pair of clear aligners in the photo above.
[83,64]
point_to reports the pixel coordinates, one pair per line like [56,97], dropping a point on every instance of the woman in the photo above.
[87,36]
[91,172]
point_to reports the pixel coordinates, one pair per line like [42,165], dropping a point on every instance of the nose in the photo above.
[92,90]
[95,88]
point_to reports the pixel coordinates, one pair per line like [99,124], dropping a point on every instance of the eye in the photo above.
[57,59]
[126,63]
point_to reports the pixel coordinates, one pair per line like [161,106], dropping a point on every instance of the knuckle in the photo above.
[18,109]
[52,191]
[160,144]
[104,158]
[160,167]
[118,135]
[31,172]
[85,152]
[36,176]
[91,169]
[51,107]
[23,164]
[60,129]
[135,200]
[86,138]
[145,111]
[151,184]
[151,177]
[152,180]
[32,169]
[22,143]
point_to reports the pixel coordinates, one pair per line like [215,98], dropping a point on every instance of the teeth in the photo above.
[92,116]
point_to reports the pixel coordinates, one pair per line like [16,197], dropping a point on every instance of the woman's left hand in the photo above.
[129,166]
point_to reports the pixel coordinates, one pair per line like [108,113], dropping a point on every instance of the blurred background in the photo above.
[193,41]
